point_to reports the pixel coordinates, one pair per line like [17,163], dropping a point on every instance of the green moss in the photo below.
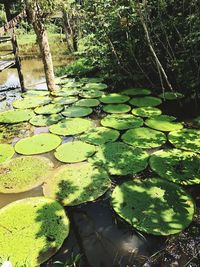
[32,230]
[114,98]
[146,101]
[36,93]
[120,159]
[121,121]
[49,109]
[100,136]
[6,152]
[91,94]
[71,126]
[75,151]
[144,138]
[87,103]
[146,111]
[187,139]
[154,206]
[37,144]
[16,116]
[95,86]
[136,91]
[42,120]
[163,123]
[23,173]
[77,112]
[76,184]
[31,102]
[177,166]
[117,108]
[65,100]
[171,95]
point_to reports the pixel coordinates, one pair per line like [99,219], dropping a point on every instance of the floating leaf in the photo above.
[31,102]
[49,109]
[95,86]
[136,91]
[146,101]
[65,93]
[87,103]
[163,123]
[77,112]
[146,111]
[117,108]
[92,80]
[42,120]
[65,100]
[171,95]
[114,98]
[30,93]
[16,116]
[91,94]
[6,152]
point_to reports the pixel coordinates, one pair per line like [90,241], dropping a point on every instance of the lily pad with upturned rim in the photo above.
[16,116]
[91,94]
[34,229]
[114,98]
[35,93]
[144,138]
[146,101]
[76,184]
[37,144]
[65,93]
[77,112]
[75,151]
[65,100]
[31,102]
[171,95]
[49,109]
[163,123]
[154,206]
[95,86]
[146,112]
[6,152]
[117,108]
[42,120]
[87,103]
[92,80]
[136,91]
[177,166]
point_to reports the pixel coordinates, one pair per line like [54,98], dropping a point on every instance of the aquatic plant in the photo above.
[146,111]
[146,101]
[163,123]
[114,98]
[42,120]
[136,91]
[49,109]
[6,152]
[65,100]
[31,102]
[16,116]
[171,95]
[116,108]
[87,103]
[91,94]
[77,112]
[95,86]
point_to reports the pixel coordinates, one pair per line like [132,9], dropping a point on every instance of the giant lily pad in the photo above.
[188,139]
[31,102]
[146,111]
[23,173]
[87,103]
[49,109]
[163,123]
[121,121]
[100,136]
[42,120]
[65,93]
[65,100]
[117,108]
[32,230]
[77,112]
[114,98]
[171,95]
[91,94]
[92,80]
[76,184]
[177,166]
[37,144]
[154,206]
[95,86]
[6,152]
[120,159]
[76,151]
[144,138]
[16,116]
[71,126]
[136,91]
[146,101]
[35,93]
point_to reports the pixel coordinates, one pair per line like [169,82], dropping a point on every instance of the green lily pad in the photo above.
[65,100]
[6,152]
[136,91]
[146,101]
[154,206]
[121,121]
[77,184]
[77,112]
[61,81]
[37,144]
[163,123]
[146,112]
[177,166]
[144,138]
[117,108]
[73,84]
[87,103]
[171,95]
[187,139]
[91,94]
[100,136]
[120,159]
[71,126]
[35,93]
[42,120]
[75,151]
[92,80]
[16,116]
[49,109]
[32,230]
[114,98]
[65,93]
[95,86]
[23,173]
[31,102]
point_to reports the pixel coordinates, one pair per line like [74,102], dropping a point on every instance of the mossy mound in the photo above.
[120,159]
[100,136]
[76,184]
[146,101]
[42,120]
[117,108]
[163,123]
[187,139]
[95,86]
[121,121]
[144,138]
[49,109]
[23,173]
[154,206]
[31,102]
[171,95]
[77,112]
[32,231]
[146,112]
[65,100]
[35,93]
[6,152]
[75,151]
[37,144]
[16,116]
[71,126]
[177,166]
[136,91]
[87,103]
[91,94]
[114,98]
